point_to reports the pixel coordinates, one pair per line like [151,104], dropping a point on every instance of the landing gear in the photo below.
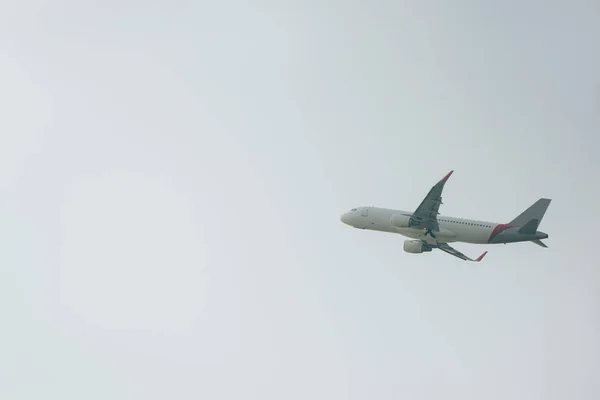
[428,231]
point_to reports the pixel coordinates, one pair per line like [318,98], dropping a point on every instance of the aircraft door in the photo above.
[364,212]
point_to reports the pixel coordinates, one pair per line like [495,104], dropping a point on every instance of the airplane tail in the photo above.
[530,226]
[530,219]
[535,212]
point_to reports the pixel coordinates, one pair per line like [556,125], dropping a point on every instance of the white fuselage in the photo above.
[451,229]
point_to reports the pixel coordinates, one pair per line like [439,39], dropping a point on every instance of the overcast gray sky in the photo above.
[172,176]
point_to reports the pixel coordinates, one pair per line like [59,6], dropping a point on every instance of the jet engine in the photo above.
[400,221]
[415,247]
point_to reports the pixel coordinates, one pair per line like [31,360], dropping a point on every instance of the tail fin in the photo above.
[531,218]
[539,243]
[530,226]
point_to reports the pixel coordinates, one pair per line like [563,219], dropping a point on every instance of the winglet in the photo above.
[444,179]
[481,257]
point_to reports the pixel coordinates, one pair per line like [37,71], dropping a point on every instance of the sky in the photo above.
[172,176]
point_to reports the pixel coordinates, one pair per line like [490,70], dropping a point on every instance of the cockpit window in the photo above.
[354,209]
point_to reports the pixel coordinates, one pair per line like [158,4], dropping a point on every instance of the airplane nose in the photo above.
[344,218]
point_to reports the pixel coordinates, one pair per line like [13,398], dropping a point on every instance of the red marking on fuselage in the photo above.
[498,229]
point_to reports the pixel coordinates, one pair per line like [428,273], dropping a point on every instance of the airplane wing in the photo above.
[425,216]
[450,250]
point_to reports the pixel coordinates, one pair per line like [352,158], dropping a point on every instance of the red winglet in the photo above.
[444,179]
[481,257]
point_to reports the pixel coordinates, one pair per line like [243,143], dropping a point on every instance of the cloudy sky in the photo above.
[172,176]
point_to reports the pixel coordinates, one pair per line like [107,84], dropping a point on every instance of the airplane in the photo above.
[429,230]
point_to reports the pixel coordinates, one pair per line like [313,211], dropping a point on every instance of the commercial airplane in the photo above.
[430,230]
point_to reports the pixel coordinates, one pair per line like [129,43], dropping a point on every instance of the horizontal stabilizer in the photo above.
[539,243]
[530,227]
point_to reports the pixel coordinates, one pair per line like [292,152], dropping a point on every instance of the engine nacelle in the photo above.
[415,247]
[400,221]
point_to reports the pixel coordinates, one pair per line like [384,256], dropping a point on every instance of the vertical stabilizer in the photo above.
[535,212]
[530,226]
